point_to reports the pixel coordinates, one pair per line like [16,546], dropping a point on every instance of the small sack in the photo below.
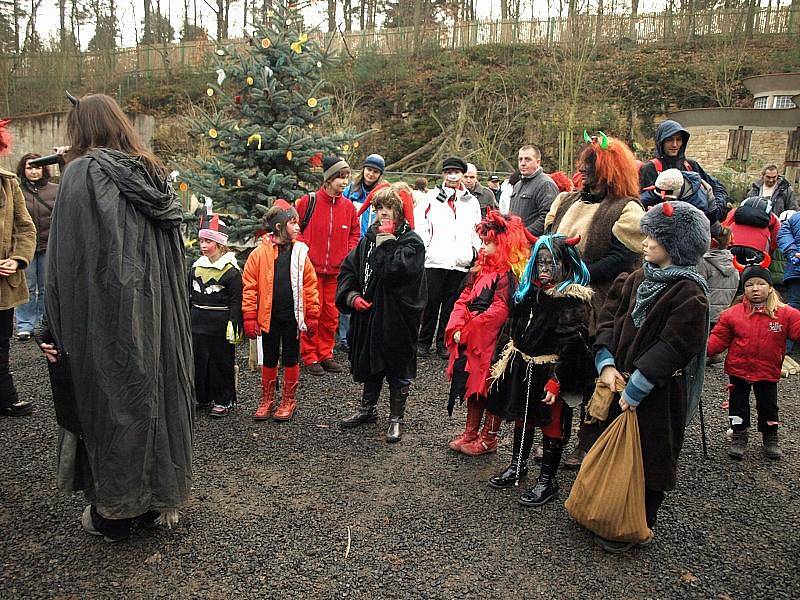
[608,494]
[600,402]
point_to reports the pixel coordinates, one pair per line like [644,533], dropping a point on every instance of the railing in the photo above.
[46,74]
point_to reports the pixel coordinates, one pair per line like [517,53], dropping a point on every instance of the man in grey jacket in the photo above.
[485,196]
[534,192]
[775,189]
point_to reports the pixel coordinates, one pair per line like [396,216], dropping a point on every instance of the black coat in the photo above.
[391,275]
[544,323]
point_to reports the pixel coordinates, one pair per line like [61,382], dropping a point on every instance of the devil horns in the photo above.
[668,209]
[764,263]
[602,137]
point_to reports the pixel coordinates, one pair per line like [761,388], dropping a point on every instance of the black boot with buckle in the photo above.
[509,477]
[397,409]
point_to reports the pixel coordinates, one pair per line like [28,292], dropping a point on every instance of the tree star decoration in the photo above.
[297,46]
[254,137]
[220,76]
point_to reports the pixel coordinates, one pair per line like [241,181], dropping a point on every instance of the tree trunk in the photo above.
[331,16]
[17,17]
[62,24]
[419,25]
[147,34]
[348,15]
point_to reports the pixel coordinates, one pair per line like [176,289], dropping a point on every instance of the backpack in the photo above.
[752,214]
[312,204]
[660,166]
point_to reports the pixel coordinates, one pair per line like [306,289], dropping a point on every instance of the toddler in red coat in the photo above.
[478,315]
[755,332]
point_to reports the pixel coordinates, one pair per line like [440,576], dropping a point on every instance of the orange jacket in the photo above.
[257,278]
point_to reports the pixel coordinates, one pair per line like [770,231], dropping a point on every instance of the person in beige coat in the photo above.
[17,245]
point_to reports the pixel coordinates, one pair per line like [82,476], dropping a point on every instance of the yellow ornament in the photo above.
[222,181]
[238,183]
[270,13]
[311,126]
[249,80]
[346,147]
[289,155]
[297,46]
[209,92]
[265,43]
[183,186]
[319,64]
[356,144]
[312,102]
[222,144]
[256,137]
[212,133]
[236,127]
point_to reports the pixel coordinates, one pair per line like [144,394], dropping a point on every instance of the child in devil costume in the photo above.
[280,300]
[544,359]
[478,315]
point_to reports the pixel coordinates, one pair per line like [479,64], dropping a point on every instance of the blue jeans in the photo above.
[30,315]
[792,299]
[344,329]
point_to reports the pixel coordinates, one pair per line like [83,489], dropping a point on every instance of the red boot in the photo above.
[474,416]
[487,441]
[291,376]
[269,378]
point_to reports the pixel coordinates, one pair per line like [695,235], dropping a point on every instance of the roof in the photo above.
[773,83]
[730,118]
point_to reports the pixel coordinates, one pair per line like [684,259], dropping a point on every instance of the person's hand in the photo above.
[251,326]
[457,337]
[361,305]
[549,398]
[387,226]
[8,267]
[61,150]
[625,406]
[552,389]
[612,378]
[50,352]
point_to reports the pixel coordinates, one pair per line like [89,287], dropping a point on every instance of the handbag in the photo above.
[64,393]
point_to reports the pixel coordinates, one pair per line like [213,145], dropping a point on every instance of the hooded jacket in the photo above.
[722,278]
[332,232]
[40,201]
[649,172]
[789,245]
[117,305]
[756,342]
[782,198]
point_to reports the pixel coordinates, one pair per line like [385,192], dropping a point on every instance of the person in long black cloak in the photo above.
[117,314]
[382,285]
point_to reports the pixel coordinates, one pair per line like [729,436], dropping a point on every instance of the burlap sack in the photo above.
[600,402]
[608,494]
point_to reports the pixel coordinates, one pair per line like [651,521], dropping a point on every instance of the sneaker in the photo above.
[112,530]
[219,411]
[18,409]
[24,336]
[331,366]
[315,369]
[613,546]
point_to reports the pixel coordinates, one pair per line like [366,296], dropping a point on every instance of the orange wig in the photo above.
[615,167]
[513,246]
[562,181]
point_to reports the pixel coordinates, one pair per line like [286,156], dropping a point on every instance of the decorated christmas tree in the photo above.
[267,133]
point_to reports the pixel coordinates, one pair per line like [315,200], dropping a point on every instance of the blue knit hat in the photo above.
[376,162]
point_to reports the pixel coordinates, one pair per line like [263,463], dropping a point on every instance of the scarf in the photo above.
[656,280]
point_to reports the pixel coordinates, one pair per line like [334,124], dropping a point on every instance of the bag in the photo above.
[64,393]
[600,402]
[754,216]
[608,494]
[312,204]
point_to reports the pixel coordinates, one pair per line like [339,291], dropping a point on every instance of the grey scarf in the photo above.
[656,281]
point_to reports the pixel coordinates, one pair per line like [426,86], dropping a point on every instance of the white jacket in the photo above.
[451,241]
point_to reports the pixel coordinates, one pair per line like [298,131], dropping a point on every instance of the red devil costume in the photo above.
[478,315]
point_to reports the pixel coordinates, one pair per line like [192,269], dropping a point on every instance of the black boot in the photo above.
[368,411]
[546,488]
[397,408]
[509,477]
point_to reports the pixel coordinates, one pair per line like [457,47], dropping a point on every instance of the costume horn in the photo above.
[668,209]
[737,265]
[529,236]
[71,98]
[767,261]
[603,140]
[368,201]
[573,241]
[586,137]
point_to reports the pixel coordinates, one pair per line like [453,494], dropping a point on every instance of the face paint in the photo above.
[546,268]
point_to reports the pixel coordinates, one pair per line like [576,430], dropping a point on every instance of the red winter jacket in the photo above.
[756,342]
[332,232]
[763,239]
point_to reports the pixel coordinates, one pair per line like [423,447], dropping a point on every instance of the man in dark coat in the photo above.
[118,316]
[485,196]
[534,192]
[382,285]
[775,189]
[671,141]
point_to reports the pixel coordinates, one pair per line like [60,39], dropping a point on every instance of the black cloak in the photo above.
[391,275]
[117,305]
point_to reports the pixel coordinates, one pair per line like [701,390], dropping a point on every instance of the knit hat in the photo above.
[454,162]
[751,270]
[331,165]
[281,212]
[375,161]
[670,181]
[214,230]
[681,228]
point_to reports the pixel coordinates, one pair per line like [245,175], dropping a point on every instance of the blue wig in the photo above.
[573,268]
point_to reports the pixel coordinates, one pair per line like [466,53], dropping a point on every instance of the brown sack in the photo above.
[608,494]
[600,402]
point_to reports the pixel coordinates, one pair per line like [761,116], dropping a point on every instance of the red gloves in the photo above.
[361,305]
[553,387]
[387,227]
[251,325]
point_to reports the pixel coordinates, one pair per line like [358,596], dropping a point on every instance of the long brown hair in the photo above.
[97,121]
[24,161]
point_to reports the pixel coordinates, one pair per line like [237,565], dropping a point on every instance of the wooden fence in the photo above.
[45,75]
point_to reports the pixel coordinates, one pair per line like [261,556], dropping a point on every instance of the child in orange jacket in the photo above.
[279,301]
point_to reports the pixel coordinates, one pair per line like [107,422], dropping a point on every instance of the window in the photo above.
[783,102]
[739,144]
[760,102]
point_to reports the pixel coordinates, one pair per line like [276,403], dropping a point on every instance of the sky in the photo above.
[130,13]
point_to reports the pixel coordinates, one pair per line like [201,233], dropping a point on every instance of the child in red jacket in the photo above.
[755,332]
[330,228]
[478,315]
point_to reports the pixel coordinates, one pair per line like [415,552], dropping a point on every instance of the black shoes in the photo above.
[18,409]
[397,409]
[364,414]
[112,530]
[509,477]
[423,350]
[546,488]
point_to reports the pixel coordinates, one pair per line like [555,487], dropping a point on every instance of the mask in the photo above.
[452,177]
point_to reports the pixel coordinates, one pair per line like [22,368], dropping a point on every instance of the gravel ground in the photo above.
[275,504]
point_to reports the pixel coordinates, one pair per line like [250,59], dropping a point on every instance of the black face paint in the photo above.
[547,269]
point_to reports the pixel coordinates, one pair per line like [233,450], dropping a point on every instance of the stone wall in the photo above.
[39,133]
[710,146]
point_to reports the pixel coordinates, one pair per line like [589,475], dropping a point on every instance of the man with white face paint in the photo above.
[534,193]
[447,219]
[485,196]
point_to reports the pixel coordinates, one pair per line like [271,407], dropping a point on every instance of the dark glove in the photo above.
[251,325]
[361,305]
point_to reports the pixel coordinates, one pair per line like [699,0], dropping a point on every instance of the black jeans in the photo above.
[283,340]
[214,372]
[766,393]
[444,286]
[8,393]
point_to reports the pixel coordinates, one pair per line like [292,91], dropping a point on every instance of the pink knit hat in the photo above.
[214,230]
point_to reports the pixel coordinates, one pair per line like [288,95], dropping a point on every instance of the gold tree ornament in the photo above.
[220,52]
[212,133]
[238,183]
[266,43]
[249,80]
[209,92]
[256,137]
[297,46]
[289,155]
[311,126]
[183,186]
[222,181]
[346,147]
[319,64]
[356,144]
[222,144]
[312,102]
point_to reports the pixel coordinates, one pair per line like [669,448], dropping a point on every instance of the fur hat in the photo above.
[681,228]
[375,161]
[454,162]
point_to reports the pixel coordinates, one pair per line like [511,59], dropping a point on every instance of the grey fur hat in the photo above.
[681,228]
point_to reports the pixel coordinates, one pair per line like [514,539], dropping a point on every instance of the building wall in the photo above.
[709,146]
[39,133]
